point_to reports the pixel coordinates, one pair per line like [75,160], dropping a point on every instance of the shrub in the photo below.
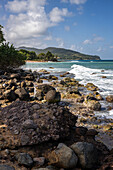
[10,57]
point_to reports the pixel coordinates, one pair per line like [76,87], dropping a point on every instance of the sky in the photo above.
[85,26]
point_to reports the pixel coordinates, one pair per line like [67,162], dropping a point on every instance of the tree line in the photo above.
[31,55]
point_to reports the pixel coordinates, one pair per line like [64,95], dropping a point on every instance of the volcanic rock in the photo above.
[32,123]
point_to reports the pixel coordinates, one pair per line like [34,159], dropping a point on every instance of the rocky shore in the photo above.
[52,125]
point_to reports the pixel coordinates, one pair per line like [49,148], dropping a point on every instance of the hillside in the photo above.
[63,53]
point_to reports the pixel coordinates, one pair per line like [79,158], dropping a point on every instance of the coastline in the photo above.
[73,100]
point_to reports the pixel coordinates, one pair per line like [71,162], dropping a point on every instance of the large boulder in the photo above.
[32,123]
[22,93]
[87,154]
[63,157]
[52,96]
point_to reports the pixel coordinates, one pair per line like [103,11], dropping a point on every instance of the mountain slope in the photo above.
[63,53]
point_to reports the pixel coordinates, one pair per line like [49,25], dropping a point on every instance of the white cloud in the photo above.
[67,28]
[78,2]
[65,1]
[57,15]
[111,47]
[96,39]
[27,25]
[99,49]
[30,21]
[17,6]
[48,38]
[76,48]
[87,42]
[93,40]
[60,42]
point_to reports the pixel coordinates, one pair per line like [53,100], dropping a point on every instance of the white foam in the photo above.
[86,75]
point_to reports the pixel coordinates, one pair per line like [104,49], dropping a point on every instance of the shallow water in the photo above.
[84,71]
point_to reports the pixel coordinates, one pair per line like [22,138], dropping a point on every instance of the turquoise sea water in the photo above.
[84,71]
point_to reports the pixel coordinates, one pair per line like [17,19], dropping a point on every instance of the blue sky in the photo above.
[81,25]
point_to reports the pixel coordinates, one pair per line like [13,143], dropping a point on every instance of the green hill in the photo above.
[63,54]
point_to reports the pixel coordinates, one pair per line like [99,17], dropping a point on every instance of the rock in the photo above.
[32,124]
[6,167]
[109,98]
[39,161]
[81,131]
[29,124]
[91,132]
[15,76]
[87,154]
[52,77]
[44,71]
[10,95]
[99,97]
[91,87]
[22,94]
[24,159]
[104,77]
[29,77]
[11,83]
[39,95]
[23,84]
[63,157]
[44,88]
[107,127]
[92,104]
[52,96]
[89,96]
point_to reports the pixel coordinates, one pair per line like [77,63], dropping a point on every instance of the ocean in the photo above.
[85,71]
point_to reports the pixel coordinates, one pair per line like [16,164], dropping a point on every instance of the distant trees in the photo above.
[9,56]
[28,55]
[31,55]
[47,57]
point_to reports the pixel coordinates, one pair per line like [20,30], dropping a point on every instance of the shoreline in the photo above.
[86,128]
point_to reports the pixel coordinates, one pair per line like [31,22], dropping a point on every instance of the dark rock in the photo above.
[6,167]
[39,161]
[22,94]
[91,132]
[24,159]
[87,154]
[81,131]
[44,88]
[52,96]
[63,157]
[34,123]
[39,95]
[10,95]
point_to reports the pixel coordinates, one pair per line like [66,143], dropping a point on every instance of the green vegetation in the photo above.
[31,55]
[1,35]
[63,54]
[9,56]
